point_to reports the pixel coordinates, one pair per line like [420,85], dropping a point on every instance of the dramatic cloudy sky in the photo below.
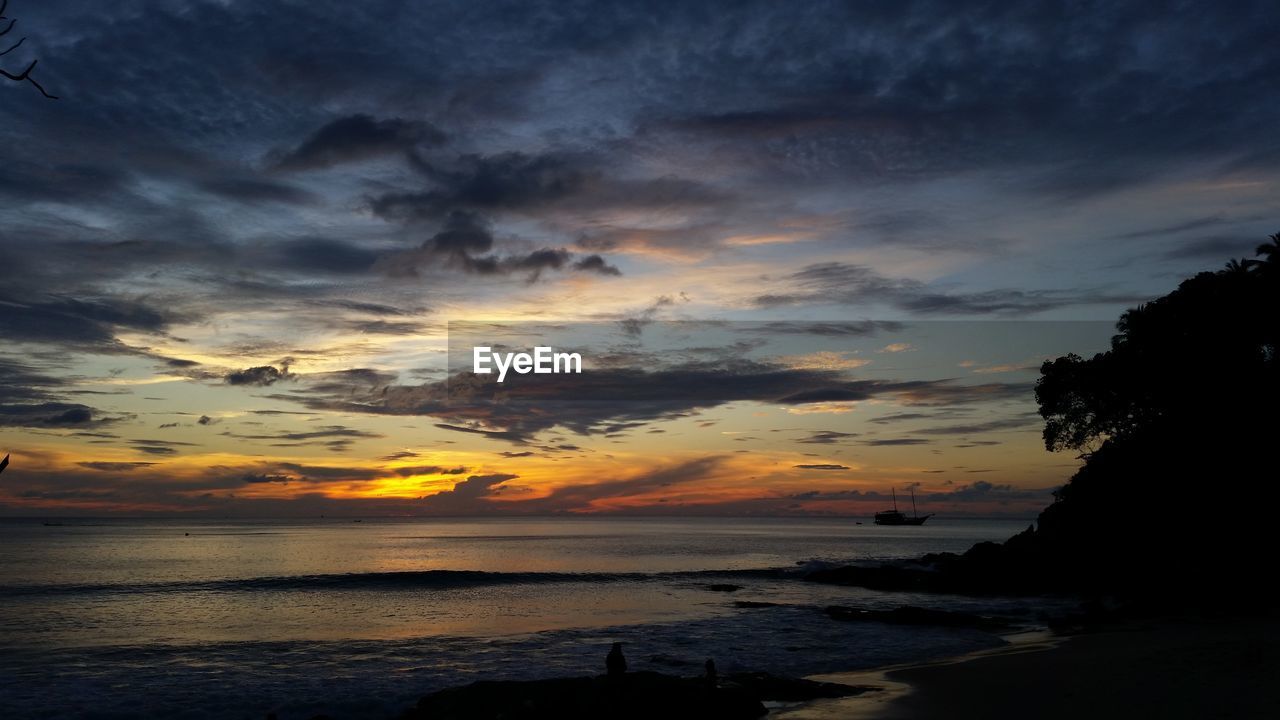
[231,250]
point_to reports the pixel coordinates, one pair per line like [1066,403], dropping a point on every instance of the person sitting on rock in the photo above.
[615,663]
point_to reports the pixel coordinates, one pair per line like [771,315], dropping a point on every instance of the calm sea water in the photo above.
[228,619]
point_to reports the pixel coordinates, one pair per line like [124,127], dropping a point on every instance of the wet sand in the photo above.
[1192,669]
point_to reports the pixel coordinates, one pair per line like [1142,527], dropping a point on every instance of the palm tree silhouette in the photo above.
[1270,249]
[1241,266]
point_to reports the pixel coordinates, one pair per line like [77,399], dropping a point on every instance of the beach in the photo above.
[1191,668]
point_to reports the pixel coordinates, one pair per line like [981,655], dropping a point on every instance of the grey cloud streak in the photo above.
[606,400]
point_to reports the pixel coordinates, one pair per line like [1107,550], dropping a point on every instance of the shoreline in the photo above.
[1169,668]
[890,689]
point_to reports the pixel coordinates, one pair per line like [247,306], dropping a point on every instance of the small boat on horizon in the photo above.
[894,517]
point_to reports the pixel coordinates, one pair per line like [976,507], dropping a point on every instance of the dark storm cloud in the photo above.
[537,184]
[85,322]
[428,470]
[20,382]
[31,398]
[824,329]
[382,327]
[835,283]
[822,466]
[899,417]
[115,466]
[977,443]
[464,242]
[259,479]
[353,381]
[978,492]
[516,437]
[51,414]
[945,393]
[1026,422]
[508,181]
[826,437]
[470,495]
[612,399]
[597,264]
[367,308]
[328,431]
[286,472]
[838,495]
[983,490]
[358,137]
[260,376]
[159,447]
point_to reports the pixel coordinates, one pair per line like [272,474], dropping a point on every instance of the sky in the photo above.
[811,252]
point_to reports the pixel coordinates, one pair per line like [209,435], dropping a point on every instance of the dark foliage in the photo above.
[1176,419]
[1177,497]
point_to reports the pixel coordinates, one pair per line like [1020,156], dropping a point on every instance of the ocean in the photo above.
[357,619]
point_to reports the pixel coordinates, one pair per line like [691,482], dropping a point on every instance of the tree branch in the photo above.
[25,74]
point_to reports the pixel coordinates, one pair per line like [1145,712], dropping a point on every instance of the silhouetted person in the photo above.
[710,677]
[614,662]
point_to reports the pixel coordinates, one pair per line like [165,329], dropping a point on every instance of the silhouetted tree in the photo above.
[1270,249]
[1175,422]
[1241,265]
[25,74]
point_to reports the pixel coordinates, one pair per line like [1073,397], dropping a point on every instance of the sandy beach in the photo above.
[1192,669]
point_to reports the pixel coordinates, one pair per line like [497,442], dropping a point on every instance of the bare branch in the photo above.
[25,74]
[41,89]
[22,76]
[12,47]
